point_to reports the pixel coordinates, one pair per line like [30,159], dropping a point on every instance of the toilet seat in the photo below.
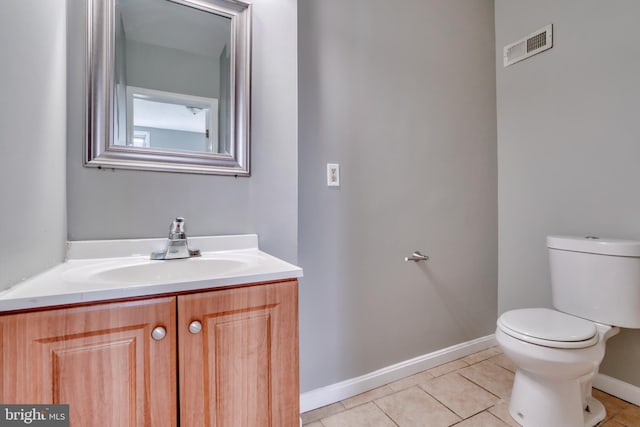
[548,328]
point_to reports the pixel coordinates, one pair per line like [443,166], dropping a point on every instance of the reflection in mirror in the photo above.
[172,121]
[168,58]
[173,92]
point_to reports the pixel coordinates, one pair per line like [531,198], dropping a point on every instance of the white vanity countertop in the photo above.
[103,270]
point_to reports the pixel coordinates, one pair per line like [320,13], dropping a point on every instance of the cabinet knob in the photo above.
[158,333]
[195,327]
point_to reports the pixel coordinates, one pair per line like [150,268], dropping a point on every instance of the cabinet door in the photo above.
[99,359]
[241,369]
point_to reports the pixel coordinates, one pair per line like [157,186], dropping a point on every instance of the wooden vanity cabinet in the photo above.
[100,359]
[238,352]
[236,355]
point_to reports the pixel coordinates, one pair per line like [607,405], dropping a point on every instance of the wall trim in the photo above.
[339,391]
[617,388]
[343,390]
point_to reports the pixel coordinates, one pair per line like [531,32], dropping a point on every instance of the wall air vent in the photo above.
[534,43]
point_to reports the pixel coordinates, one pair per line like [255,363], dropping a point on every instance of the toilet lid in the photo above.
[548,327]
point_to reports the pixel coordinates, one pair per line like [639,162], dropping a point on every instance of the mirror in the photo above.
[168,85]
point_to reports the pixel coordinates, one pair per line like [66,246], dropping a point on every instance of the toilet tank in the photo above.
[596,279]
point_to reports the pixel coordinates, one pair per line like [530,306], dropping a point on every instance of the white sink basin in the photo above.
[141,271]
[116,269]
[182,270]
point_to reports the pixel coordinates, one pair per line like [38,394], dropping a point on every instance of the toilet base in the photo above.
[537,401]
[596,412]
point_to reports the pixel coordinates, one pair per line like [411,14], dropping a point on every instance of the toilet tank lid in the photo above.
[595,245]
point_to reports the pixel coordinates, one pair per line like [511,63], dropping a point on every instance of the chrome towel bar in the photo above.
[416,256]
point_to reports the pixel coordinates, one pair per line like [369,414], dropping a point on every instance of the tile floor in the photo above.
[469,392]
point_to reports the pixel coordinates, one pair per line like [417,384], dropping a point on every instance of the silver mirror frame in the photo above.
[100,82]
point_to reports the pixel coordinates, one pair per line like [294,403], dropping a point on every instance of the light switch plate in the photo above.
[333,175]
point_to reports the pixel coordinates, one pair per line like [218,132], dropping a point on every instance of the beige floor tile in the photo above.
[466,388]
[504,361]
[447,367]
[481,355]
[612,404]
[629,417]
[323,412]
[459,394]
[491,377]
[415,408]
[483,419]
[417,379]
[501,410]
[367,396]
[367,415]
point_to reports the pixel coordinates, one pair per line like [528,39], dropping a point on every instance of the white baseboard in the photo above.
[339,391]
[617,388]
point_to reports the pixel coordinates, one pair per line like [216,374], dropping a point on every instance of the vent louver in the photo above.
[534,43]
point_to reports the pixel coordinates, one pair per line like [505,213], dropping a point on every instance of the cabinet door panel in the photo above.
[241,370]
[77,370]
[99,359]
[242,353]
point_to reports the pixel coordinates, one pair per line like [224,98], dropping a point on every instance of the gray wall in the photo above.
[265,203]
[176,139]
[402,95]
[171,70]
[273,193]
[32,139]
[568,144]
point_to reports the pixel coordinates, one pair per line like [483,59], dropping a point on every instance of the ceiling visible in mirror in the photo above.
[198,33]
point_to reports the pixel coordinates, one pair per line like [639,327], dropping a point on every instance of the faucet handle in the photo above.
[176,231]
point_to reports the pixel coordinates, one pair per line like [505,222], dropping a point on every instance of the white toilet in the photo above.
[596,289]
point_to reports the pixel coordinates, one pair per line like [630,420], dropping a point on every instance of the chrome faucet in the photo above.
[177,246]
